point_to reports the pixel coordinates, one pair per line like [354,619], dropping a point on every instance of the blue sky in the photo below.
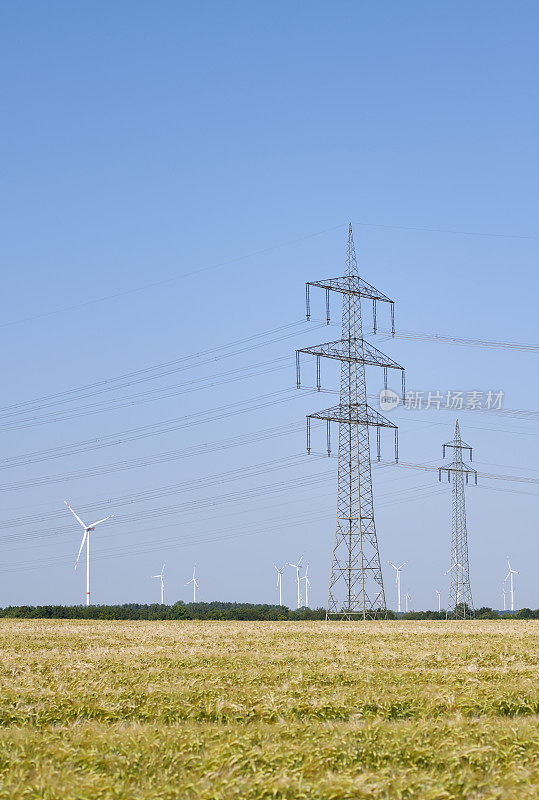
[172,175]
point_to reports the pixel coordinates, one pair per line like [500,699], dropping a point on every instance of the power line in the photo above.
[154,429]
[262,529]
[161,370]
[152,395]
[449,230]
[157,458]
[249,470]
[171,279]
[17,414]
[458,340]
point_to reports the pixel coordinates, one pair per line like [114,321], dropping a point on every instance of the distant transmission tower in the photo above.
[460,603]
[356,588]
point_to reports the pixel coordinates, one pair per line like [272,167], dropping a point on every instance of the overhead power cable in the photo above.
[151,395]
[452,231]
[231,533]
[170,279]
[155,429]
[157,458]
[486,475]
[152,372]
[178,508]
[247,471]
[458,340]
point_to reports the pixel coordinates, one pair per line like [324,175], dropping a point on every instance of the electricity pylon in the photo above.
[356,587]
[460,603]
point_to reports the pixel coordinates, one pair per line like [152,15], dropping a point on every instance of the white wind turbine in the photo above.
[398,582]
[509,577]
[439,600]
[162,576]
[307,584]
[408,599]
[280,582]
[86,538]
[195,585]
[296,567]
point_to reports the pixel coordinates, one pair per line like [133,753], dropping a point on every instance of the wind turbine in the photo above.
[510,577]
[195,585]
[280,582]
[398,582]
[439,600]
[307,584]
[86,538]
[162,576]
[296,567]
[408,599]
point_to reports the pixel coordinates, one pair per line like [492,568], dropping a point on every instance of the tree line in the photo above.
[223,611]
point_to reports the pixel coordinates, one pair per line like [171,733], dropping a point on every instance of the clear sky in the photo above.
[172,174]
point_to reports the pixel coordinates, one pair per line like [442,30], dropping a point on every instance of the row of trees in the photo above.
[221,611]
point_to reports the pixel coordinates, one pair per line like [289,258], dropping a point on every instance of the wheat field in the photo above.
[212,710]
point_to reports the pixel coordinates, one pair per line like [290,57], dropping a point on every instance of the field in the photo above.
[204,710]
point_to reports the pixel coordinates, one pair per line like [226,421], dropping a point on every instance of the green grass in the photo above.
[268,710]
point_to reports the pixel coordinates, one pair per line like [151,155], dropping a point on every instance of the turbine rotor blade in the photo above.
[81,546]
[99,521]
[75,515]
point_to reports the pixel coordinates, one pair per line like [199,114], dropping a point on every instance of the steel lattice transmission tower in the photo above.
[460,602]
[356,588]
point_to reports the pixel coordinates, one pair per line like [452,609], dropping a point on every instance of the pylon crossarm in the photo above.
[354,415]
[351,284]
[458,446]
[353,350]
[460,467]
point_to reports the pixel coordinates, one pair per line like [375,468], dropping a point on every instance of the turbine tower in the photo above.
[195,585]
[162,577]
[356,588]
[297,568]
[307,584]
[280,582]
[460,603]
[509,577]
[398,571]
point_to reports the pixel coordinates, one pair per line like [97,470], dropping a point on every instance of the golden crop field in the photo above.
[212,710]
